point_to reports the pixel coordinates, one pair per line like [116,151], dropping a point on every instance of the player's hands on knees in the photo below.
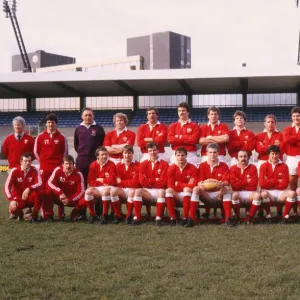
[25,194]
[65,201]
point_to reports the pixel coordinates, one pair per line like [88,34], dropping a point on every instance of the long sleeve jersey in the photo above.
[291,140]
[18,180]
[50,150]
[71,185]
[219,172]
[129,175]
[219,129]
[274,177]
[239,178]
[88,139]
[106,171]
[158,133]
[182,177]
[184,135]
[263,141]
[153,175]
[243,140]
[113,138]
[12,148]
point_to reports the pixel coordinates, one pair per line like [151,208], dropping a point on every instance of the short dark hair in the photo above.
[152,145]
[151,108]
[181,149]
[68,158]
[239,113]
[26,154]
[214,109]
[237,155]
[184,105]
[51,117]
[295,110]
[101,148]
[273,148]
[128,148]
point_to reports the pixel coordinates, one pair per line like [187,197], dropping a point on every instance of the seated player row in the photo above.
[154,182]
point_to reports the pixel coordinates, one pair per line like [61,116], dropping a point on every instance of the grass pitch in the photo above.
[79,261]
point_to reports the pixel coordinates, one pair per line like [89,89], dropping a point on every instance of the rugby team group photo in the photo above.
[224,177]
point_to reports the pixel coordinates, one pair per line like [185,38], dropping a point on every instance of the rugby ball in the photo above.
[210,184]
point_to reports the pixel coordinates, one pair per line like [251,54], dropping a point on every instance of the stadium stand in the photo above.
[166,115]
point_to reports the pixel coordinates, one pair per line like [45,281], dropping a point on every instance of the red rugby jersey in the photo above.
[182,177]
[155,178]
[107,171]
[125,137]
[269,178]
[291,140]
[130,176]
[18,181]
[72,185]
[187,135]
[244,141]
[158,134]
[239,177]
[219,172]
[219,129]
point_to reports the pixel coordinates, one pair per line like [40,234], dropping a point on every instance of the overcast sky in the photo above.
[224,33]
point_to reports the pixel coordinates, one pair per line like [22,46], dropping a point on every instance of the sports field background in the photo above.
[79,261]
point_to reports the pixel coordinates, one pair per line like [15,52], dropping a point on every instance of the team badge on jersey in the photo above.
[248,176]
[219,175]
[61,179]
[71,182]
[159,171]
[188,177]
[46,141]
[56,141]
[125,139]
[93,133]
[29,179]
[157,132]
[106,174]
[280,175]
[189,130]
[20,179]
[246,137]
[25,141]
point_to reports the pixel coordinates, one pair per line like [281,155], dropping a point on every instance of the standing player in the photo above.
[66,188]
[244,180]
[127,181]
[50,147]
[182,177]
[115,140]
[214,132]
[88,136]
[17,143]
[274,180]
[291,138]
[102,176]
[270,136]
[184,133]
[22,188]
[153,178]
[240,137]
[152,131]
[213,168]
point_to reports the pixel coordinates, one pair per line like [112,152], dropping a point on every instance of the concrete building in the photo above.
[41,59]
[162,50]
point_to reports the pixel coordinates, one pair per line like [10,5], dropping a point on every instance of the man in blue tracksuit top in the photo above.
[88,136]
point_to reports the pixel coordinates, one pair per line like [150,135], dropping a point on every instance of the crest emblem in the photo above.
[159,171]
[25,141]
[71,182]
[157,132]
[189,130]
[56,141]
[93,133]
[20,179]
[125,139]
[61,179]
[29,179]
[106,174]
[46,141]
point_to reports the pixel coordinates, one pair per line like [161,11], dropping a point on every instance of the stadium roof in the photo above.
[148,82]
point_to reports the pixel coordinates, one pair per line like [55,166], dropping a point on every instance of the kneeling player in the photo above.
[22,188]
[101,177]
[244,180]
[127,181]
[274,180]
[182,177]
[153,178]
[66,188]
[213,168]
